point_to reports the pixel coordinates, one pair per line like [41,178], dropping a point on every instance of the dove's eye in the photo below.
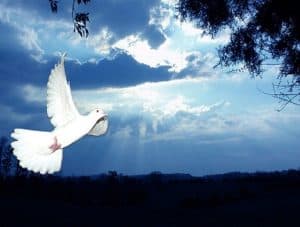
[97,111]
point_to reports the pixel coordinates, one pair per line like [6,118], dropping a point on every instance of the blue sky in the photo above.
[169,109]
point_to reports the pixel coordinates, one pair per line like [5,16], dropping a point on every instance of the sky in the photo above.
[169,109]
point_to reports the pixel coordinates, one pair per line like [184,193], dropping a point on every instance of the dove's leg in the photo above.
[55,146]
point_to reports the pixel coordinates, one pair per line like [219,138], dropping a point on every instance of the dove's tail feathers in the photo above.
[32,149]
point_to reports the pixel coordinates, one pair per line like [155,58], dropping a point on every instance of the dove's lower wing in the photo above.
[60,105]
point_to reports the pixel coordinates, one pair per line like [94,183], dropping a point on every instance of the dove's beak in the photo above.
[103,118]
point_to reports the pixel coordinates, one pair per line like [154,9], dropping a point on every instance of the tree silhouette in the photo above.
[3,141]
[80,19]
[21,171]
[9,165]
[5,157]
[263,32]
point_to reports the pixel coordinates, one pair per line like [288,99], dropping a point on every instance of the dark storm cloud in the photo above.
[119,72]
[154,36]
[198,66]
[18,69]
[121,17]
[42,8]
[17,66]
[124,18]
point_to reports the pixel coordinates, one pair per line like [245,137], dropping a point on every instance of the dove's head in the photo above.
[101,122]
[98,112]
[98,115]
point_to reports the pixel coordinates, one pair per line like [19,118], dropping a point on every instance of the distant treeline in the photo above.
[260,199]
[156,199]
[113,189]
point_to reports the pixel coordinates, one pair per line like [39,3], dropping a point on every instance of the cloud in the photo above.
[151,111]
[152,39]
[154,104]
[29,39]
[154,36]
[42,36]
[123,133]
[189,29]
[154,76]
[9,114]
[33,94]
[162,15]
[121,71]
[101,42]
[122,17]
[32,31]
[200,65]
[147,97]
[157,112]
[142,129]
[142,52]
[179,109]
[151,35]
[13,116]
[43,33]
[180,43]
[27,36]
[165,17]
[19,68]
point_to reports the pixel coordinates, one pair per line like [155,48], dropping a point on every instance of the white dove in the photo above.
[42,151]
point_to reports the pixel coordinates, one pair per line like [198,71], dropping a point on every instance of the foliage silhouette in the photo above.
[9,165]
[80,19]
[235,199]
[5,157]
[53,5]
[262,32]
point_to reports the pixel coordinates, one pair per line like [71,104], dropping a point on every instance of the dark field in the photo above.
[260,199]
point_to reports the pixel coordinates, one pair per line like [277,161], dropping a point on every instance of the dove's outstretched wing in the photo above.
[60,105]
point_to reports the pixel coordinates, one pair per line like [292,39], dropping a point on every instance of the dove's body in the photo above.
[41,151]
[79,128]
